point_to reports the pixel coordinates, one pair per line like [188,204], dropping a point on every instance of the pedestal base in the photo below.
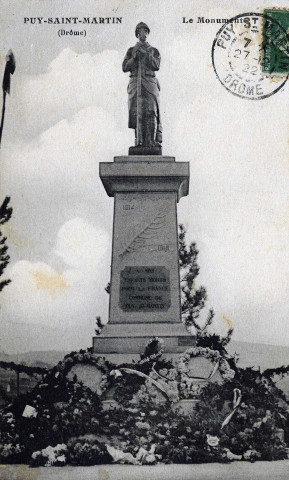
[145,285]
[131,339]
[153,150]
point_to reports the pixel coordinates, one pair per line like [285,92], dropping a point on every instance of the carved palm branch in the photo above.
[150,230]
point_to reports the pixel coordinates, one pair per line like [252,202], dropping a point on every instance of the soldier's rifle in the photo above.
[139,139]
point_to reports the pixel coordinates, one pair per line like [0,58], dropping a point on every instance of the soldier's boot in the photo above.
[151,131]
[159,136]
[140,142]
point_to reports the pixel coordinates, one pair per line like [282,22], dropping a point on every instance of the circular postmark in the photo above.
[244,55]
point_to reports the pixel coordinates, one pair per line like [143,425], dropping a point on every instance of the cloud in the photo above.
[72,82]
[69,296]
[55,177]
[69,151]
[81,246]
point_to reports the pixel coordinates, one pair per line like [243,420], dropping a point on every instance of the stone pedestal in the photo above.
[142,150]
[145,289]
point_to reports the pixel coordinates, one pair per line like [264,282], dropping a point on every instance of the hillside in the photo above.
[37,358]
[251,354]
[259,355]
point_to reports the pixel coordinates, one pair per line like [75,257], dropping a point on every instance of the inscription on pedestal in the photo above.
[145,289]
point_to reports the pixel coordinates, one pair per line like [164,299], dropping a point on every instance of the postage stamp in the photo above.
[275,41]
[250,55]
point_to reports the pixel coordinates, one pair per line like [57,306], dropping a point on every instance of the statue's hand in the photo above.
[138,52]
[135,52]
[142,52]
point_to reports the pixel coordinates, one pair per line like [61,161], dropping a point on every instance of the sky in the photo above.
[68,111]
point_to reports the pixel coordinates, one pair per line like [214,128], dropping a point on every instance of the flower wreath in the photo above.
[87,358]
[221,363]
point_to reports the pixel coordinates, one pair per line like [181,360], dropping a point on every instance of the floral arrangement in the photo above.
[88,450]
[69,424]
[169,378]
[213,355]
[85,357]
[251,431]
[188,386]
[63,408]
[11,452]
[153,351]
[50,456]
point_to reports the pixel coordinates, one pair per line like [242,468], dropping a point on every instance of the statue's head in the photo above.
[142,31]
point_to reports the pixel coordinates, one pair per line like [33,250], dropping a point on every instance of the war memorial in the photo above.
[146,186]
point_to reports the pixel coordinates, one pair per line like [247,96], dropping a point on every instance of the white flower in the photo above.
[35,454]
[182,367]
[61,459]
[60,446]
[149,459]
[153,413]
[212,441]
[116,373]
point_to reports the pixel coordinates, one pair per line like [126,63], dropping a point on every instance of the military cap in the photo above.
[141,25]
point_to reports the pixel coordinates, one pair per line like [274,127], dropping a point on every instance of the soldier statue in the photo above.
[142,61]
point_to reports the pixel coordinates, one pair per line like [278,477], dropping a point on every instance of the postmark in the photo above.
[240,53]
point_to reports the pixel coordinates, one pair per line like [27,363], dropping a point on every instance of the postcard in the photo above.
[122,120]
